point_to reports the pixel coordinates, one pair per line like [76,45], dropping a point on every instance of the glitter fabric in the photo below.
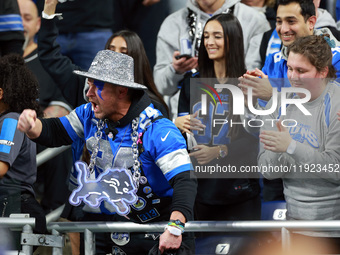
[112,67]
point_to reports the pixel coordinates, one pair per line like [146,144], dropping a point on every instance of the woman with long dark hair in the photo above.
[220,143]
[128,42]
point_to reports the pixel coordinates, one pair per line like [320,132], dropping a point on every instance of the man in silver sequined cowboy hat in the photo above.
[141,157]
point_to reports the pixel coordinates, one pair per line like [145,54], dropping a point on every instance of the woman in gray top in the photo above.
[303,147]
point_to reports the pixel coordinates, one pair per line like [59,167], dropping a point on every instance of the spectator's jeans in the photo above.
[82,47]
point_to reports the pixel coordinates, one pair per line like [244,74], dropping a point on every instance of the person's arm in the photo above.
[336,61]
[168,71]
[50,6]
[267,158]
[244,145]
[187,123]
[172,158]
[185,188]
[259,82]
[48,132]
[4,166]
[13,138]
[327,161]
[165,73]
[58,66]
[29,124]
[150,2]
[312,158]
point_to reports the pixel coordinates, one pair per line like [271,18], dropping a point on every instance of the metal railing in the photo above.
[21,222]
[17,224]
[58,229]
[285,227]
[50,153]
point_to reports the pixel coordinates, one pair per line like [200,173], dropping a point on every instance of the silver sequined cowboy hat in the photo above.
[112,67]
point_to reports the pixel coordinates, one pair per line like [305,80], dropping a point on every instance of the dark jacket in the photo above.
[58,66]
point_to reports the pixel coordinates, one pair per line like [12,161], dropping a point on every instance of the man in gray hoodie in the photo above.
[187,24]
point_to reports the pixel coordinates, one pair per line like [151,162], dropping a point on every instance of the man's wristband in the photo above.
[175,227]
[176,223]
[46,16]
[174,230]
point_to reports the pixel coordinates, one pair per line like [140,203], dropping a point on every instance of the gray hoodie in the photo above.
[324,19]
[175,27]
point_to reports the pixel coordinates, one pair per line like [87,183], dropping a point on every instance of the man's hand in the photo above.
[50,6]
[29,123]
[276,141]
[183,65]
[27,120]
[189,122]
[261,86]
[150,2]
[169,241]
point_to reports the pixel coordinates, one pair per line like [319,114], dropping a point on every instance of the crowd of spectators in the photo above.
[230,84]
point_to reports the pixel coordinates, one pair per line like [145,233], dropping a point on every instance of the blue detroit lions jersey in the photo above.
[276,65]
[164,154]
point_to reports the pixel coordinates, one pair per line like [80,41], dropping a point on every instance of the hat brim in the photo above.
[123,83]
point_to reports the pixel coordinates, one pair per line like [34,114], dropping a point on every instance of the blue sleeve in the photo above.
[336,61]
[167,148]
[266,64]
[275,66]
[75,121]
[11,140]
